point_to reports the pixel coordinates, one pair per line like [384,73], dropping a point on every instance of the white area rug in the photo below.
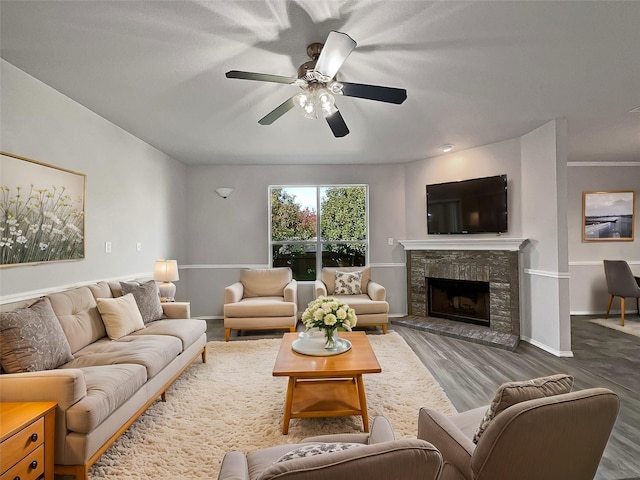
[234,403]
[631,324]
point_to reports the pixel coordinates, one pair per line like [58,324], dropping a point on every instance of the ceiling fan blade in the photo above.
[337,124]
[277,112]
[335,51]
[261,77]
[374,92]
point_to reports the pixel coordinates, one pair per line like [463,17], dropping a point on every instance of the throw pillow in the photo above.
[316,449]
[348,283]
[120,315]
[32,339]
[147,299]
[511,393]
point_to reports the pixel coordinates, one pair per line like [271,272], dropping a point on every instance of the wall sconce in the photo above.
[166,271]
[224,192]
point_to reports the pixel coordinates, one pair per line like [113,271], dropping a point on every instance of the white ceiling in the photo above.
[475,73]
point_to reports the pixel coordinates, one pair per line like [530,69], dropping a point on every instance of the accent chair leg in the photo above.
[384,328]
[227,334]
[292,329]
[204,355]
[609,306]
[622,311]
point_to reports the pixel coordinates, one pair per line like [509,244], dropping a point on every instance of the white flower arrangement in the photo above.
[328,313]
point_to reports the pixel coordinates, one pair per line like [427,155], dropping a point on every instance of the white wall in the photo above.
[588,287]
[545,315]
[134,193]
[226,235]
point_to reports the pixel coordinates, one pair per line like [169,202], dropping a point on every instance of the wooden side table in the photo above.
[27,432]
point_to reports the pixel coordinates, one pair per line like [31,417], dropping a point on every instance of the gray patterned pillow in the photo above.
[348,283]
[510,393]
[147,299]
[317,449]
[32,339]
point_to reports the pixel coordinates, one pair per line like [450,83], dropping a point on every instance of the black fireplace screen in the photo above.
[461,300]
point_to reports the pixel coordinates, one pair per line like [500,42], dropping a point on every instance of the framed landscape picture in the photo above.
[608,216]
[42,212]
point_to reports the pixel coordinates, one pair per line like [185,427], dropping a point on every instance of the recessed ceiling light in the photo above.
[635,110]
[446,148]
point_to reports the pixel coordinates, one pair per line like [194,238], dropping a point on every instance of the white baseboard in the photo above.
[546,348]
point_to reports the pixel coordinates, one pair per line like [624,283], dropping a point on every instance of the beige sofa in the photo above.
[103,385]
[370,304]
[263,299]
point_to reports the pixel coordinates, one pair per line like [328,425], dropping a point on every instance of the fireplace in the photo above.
[461,300]
[492,262]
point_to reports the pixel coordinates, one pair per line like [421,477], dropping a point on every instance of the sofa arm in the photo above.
[321,289]
[66,386]
[291,292]
[234,467]
[376,291]
[455,446]
[177,309]
[233,293]
[381,431]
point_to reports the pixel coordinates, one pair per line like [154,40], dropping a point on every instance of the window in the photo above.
[338,212]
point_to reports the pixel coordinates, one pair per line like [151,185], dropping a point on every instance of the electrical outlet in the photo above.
[139,247]
[107,247]
[390,241]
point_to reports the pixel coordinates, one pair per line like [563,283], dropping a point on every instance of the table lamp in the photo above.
[166,272]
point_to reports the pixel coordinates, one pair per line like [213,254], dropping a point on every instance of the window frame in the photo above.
[318,242]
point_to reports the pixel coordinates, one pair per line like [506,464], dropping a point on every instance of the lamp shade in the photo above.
[166,271]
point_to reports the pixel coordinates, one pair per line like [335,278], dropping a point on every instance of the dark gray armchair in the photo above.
[621,283]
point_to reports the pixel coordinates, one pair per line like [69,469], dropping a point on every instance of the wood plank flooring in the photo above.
[470,373]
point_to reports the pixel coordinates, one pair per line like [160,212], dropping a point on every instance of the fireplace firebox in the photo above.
[460,300]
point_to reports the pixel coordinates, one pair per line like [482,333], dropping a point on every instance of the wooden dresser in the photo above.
[27,440]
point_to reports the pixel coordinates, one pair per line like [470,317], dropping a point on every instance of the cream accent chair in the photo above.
[560,437]
[263,299]
[381,457]
[371,306]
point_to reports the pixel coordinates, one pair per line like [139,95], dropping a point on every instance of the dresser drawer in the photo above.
[30,467]
[20,444]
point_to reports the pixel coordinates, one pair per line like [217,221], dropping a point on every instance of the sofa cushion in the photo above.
[348,283]
[187,330]
[32,339]
[313,449]
[362,304]
[328,277]
[265,282]
[154,352]
[260,307]
[147,298]
[108,387]
[120,315]
[510,393]
[78,314]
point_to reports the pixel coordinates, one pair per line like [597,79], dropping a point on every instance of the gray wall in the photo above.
[134,193]
[226,235]
[588,287]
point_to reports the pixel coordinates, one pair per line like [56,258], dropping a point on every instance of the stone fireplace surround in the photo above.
[493,260]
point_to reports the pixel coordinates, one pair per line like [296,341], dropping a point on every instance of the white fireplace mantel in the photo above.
[498,243]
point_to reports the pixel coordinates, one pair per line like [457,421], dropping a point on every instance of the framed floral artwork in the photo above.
[608,216]
[42,212]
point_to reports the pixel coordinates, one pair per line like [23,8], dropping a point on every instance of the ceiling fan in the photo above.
[317,79]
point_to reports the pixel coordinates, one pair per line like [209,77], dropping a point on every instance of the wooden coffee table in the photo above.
[326,386]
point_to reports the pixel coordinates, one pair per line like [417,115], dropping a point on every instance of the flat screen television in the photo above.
[478,205]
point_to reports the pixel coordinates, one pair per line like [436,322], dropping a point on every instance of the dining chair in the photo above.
[621,283]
